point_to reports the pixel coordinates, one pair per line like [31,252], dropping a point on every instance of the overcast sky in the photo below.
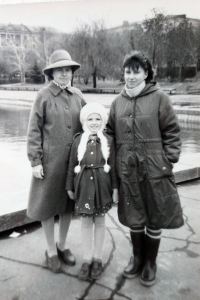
[65,16]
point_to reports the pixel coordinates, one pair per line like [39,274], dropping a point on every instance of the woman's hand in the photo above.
[115,196]
[70,194]
[38,172]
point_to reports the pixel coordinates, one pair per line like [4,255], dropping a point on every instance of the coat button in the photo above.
[131,116]
[92,152]
[91,178]
[92,165]
[164,168]
[69,126]
[66,107]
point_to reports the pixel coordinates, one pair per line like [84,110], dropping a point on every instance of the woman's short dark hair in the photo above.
[50,76]
[137,59]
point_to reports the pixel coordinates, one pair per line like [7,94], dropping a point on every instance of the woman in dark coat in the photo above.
[147,136]
[92,183]
[53,122]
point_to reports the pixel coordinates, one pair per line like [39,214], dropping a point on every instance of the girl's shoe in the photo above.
[97,269]
[53,263]
[84,271]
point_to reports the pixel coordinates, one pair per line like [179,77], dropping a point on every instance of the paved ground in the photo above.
[24,275]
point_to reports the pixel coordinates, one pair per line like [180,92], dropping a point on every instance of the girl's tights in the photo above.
[90,225]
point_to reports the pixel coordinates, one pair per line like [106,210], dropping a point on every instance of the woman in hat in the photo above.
[147,135]
[92,164]
[53,122]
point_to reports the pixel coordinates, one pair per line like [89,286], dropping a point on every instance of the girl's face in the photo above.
[94,122]
[133,78]
[62,75]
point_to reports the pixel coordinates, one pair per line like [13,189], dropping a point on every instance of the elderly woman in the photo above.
[53,122]
[147,134]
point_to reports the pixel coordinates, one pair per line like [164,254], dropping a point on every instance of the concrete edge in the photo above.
[13,220]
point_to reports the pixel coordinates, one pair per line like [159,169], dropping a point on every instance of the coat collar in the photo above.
[149,88]
[55,90]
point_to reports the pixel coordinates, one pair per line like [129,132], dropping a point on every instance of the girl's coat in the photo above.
[92,185]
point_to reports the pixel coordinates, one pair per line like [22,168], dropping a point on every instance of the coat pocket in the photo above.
[158,164]
[45,155]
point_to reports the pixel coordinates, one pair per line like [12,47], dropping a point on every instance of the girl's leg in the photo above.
[87,237]
[99,237]
[48,227]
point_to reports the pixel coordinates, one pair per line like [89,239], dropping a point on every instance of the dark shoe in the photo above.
[97,269]
[53,263]
[66,256]
[136,261]
[148,276]
[84,271]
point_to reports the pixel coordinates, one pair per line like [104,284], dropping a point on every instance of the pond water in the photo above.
[15,168]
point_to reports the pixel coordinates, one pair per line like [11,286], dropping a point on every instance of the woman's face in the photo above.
[133,78]
[62,75]
[94,122]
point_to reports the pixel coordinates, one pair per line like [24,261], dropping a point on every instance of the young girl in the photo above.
[92,183]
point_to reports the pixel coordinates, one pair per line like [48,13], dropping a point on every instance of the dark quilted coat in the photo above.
[147,136]
[53,122]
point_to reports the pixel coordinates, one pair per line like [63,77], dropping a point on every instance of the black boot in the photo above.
[136,261]
[148,276]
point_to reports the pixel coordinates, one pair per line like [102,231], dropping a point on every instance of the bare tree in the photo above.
[46,42]
[19,58]
[155,30]
[90,46]
[180,46]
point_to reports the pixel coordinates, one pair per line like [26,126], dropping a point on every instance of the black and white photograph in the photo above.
[99,149]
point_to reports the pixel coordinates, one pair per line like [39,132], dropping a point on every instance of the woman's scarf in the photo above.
[135,91]
[62,87]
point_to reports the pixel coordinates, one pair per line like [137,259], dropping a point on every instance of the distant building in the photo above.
[20,35]
[175,20]
[172,20]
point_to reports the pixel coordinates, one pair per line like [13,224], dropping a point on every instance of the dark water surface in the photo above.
[14,122]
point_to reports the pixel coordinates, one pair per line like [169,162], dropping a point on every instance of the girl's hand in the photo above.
[115,196]
[38,172]
[70,194]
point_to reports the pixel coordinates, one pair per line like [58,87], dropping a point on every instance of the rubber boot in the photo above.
[136,261]
[148,276]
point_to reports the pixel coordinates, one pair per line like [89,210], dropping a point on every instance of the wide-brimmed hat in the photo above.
[60,58]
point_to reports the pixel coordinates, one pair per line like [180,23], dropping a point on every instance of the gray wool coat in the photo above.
[54,120]
[147,136]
